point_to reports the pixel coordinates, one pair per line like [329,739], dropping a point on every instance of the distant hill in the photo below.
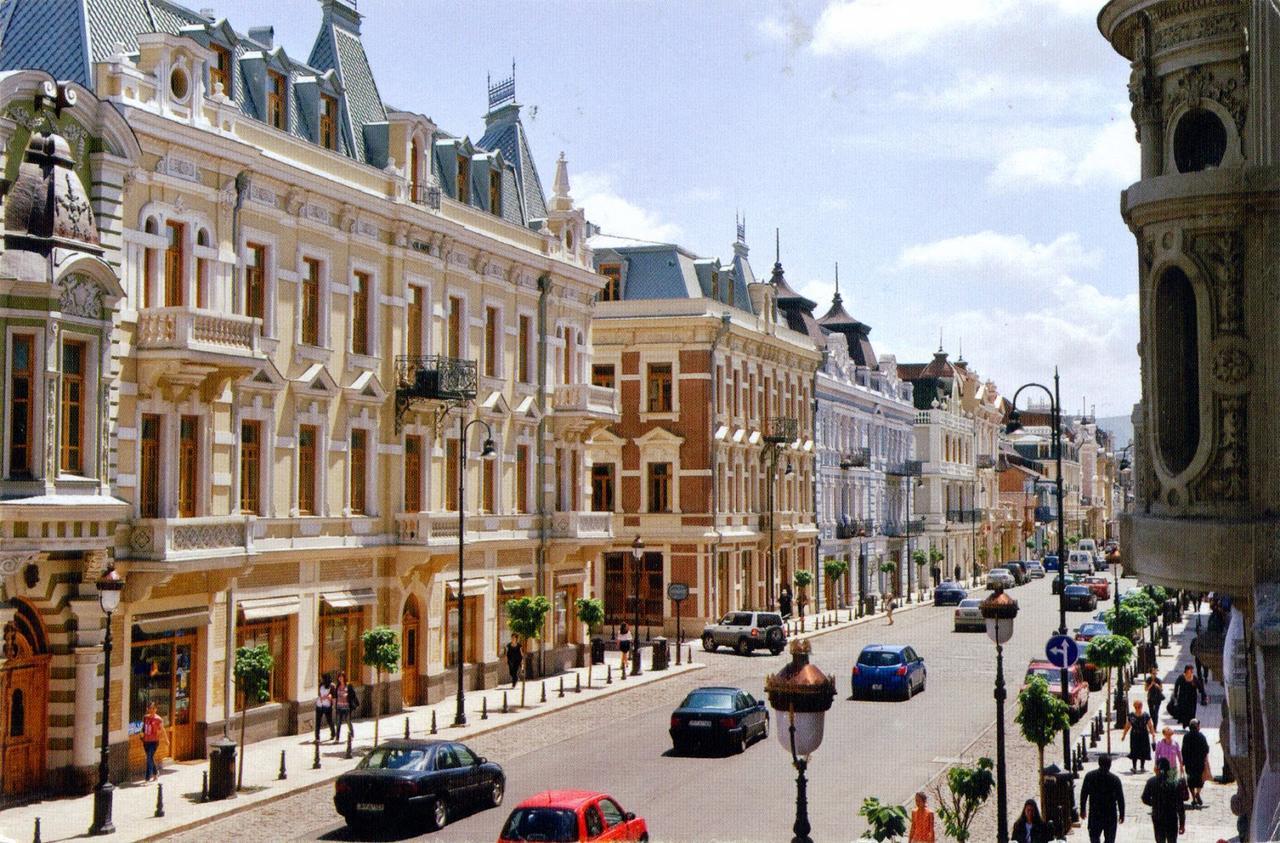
[1120,427]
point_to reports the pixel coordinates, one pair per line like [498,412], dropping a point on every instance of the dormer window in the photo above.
[415,164]
[613,282]
[495,193]
[277,98]
[328,122]
[715,286]
[464,179]
[220,70]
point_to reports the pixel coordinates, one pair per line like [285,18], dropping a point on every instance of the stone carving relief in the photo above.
[76,216]
[1196,83]
[1221,255]
[182,168]
[1227,478]
[263,195]
[51,425]
[80,296]
[1232,366]
[1198,29]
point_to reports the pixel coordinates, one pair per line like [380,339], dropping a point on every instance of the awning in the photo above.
[514,583]
[570,577]
[350,599]
[257,608]
[470,588]
[172,619]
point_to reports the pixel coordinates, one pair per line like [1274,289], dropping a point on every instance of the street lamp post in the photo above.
[1055,420]
[781,430]
[487,453]
[110,586]
[999,610]
[802,693]
[637,559]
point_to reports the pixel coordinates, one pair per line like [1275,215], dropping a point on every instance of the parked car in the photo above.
[423,781]
[1035,570]
[718,717]
[1099,562]
[949,593]
[1078,688]
[565,816]
[1000,578]
[1071,579]
[969,616]
[1100,586]
[1080,562]
[1090,630]
[1019,572]
[1051,563]
[1079,598]
[746,632]
[890,669]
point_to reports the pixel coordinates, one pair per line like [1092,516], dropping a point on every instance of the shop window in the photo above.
[602,487]
[560,612]
[274,633]
[659,486]
[471,651]
[250,467]
[602,375]
[255,280]
[188,465]
[1177,370]
[307,437]
[162,670]
[413,474]
[659,391]
[310,301]
[174,263]
[340,645]
[74,360]
[21,393]
[1199,141]
[612,273]
[360,293]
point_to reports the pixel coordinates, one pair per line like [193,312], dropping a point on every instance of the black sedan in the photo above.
[424,781]
[949,593]
[1071,578]
[1079,598]
[718,717]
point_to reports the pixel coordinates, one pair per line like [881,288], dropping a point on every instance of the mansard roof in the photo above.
[505,132]
[338,47]
[838,320]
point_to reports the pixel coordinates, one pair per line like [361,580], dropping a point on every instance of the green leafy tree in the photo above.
[835,569]
[967,789]
[1126,620]
[919,557]
[1110,652]
[591,612]
[1156,593]
[888,822]
[1041,715]
[526,617]
[253,680]
[382,653]
[1142,601]
[936,555]
[1073,539]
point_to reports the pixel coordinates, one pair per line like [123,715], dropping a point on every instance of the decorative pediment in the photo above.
[80,295]
[316,380]
[366,388]
[496,405]
[266,378]
[659,444]
[528,408]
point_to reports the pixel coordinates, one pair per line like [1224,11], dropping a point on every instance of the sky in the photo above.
[962,160]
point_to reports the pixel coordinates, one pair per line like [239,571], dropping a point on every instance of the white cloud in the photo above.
[1010,92]
[594,192]
[990,255]
[1110,160]
[884,27]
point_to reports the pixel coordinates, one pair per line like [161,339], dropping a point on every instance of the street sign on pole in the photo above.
[1062,651]
[678,592]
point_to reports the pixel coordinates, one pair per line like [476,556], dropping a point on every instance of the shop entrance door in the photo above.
[164,672]
[24,704]
[409,662]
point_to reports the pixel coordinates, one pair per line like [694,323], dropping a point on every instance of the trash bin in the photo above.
[222,769]
[1059,799]
[597,650]
[660,656]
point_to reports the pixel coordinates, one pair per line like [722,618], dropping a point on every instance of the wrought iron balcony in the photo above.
[782,429]
[857,458]
[905,468]
[898,529]
[433,378]
[986,461]
[859,528]
[427,194]
[964,516]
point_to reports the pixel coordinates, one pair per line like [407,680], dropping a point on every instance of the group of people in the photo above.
[338,698]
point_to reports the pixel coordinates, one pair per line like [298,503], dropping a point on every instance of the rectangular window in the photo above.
[495,193]
[455,327]
[659,487]
[451,476]
[250,467]
[188,465]
[277,100]
[310,301]
[414,346]
[522,478]
[464,180]
[659,388]
[21,392]
[715,286]
[274,633]
[472,642]
[255,281]
[74,356]
[602,375]
[522,352]
[613,282]
[307,436]
[149,467]
[559,480]
[415,164]
[491,342]
[220,70]
[340,639]
[413,474]
[602,487]
[488,485]
[174,261]
[360,292]
[737,391]
[328,122]
[359,454]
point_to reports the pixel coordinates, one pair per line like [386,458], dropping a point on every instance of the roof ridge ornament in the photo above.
[504,91]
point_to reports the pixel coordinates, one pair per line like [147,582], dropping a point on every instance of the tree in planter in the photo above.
[253,680]
[982,557]
[936,556]
[835,569]
[967,789]
[1126,620]
[526,617]
[591,612]
[1042,715]
[803,579]
[920,558]
[1111,652]
[890,570]
[888,822]
[1073,539]
[382,653]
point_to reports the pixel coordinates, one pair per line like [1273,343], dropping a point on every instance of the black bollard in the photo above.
[544,690]
[315,762]
[35,837]
[484,708]
[406,728]
[159,801]
[433,721]
[562,686]
[204,778]
[504,703]
[283,774]
[349,733]
[608,674]
[577,683]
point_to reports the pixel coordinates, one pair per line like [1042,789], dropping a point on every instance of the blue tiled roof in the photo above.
[355,78]
[506,133]
[44,34]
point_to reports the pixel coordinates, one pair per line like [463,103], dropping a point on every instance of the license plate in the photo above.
[704,724]
[369,806]
[877,687]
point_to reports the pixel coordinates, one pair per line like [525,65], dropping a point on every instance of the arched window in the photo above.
[1199,141]
[1177,370]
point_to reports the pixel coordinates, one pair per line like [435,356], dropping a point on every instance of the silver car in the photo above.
[1000,578]
[1035,570]
[746,631]
[969,615]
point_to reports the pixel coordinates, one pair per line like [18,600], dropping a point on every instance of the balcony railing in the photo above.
[197,329]
[585,398]
[857,458]
[162,538]
[574,525]
[964,516]
[782,429]
[432,377]
[986,461]
[905,468]
[427,194]
[897,529]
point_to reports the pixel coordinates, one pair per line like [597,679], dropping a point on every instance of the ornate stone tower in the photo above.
[1205,89]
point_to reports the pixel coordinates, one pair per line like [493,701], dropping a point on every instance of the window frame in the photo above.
[66,464]
[220,72]
[612,290]
[282,667]
[521,502]
[278,100]
[463,181]
[328,122]
[413,475]
[492,342]
[250,457]
[652,476]
[358,469]
[363,292]
[307,476]
[665,396]
[150,445]
[309,299]
[604,477]
[25,444]
[524,361]
[417,305]
[255,279]
[604,375]
[188,466]
[175,263]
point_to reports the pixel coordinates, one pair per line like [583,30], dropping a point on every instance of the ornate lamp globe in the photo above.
[800,694]
[999,610]
[110,586]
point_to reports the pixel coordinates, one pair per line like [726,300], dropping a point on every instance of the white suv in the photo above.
[746,631]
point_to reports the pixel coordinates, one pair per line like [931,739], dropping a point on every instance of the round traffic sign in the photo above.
[1062,651]
[677,591]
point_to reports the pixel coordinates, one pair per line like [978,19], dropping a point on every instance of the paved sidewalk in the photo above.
[135,802]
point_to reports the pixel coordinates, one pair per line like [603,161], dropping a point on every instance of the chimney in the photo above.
[208,14]
[264,35]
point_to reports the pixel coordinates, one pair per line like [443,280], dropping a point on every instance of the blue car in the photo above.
[1051,563]
[888,669]
[949,593]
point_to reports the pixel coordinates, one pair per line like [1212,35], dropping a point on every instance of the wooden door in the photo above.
[24,688]
[181,726]
[409,655]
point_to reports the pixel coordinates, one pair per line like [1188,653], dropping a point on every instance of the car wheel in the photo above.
[497,792]
[764,730]
[740,746]
[907,692]
[439,813]
[709,642]
[776,650]
[744,647]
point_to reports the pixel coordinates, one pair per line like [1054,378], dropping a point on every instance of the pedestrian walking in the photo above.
[1140,730]
[784,603]
[324,707]
[1030,827]
[1166,748]
[624,642]
[957,572]
[1102,802]
[152,733]
[1164,793]
[344,701]
[922,830]
[1187,691]
[1155,695]
[515,656]
[888,606]
[1195,760]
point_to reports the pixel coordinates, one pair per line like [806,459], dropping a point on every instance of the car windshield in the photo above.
[879,658]
[717,700]
[1076,589]
[1052,675]
[970,603]
[393,758]
[551,825]
[1093,629]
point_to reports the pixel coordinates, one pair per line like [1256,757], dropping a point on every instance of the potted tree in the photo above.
[967,789]
[1041,715]
[935,558]
[890,569]
[382,653]
[920,558]
[887,822]
[253,679]
[835,569]
[526,617]
[591,612]
[1109,652]
[803,579]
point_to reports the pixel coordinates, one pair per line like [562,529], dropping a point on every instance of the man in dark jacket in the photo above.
[1164,794]
[1187,691]
[1102,802]
[1195,759]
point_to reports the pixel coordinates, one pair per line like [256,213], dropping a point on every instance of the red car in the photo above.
[1100,586]
[1051,673]
[562,816]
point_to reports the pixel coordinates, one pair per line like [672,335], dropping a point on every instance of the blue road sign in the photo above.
[1062,651]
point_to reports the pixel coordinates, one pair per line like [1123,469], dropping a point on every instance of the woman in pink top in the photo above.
[1166,748]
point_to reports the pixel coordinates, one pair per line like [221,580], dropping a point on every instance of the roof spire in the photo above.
[741,226]
[777,247]
[836,299]
[560,198]
[939,340]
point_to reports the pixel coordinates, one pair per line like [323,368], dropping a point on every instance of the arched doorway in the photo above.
[24,702]
[409,626]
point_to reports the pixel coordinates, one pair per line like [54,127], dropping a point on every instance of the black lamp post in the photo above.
[1055,421]
[1123,465]
[487,452]
[999,610]
[110,588]
[637,560]
[802,694]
